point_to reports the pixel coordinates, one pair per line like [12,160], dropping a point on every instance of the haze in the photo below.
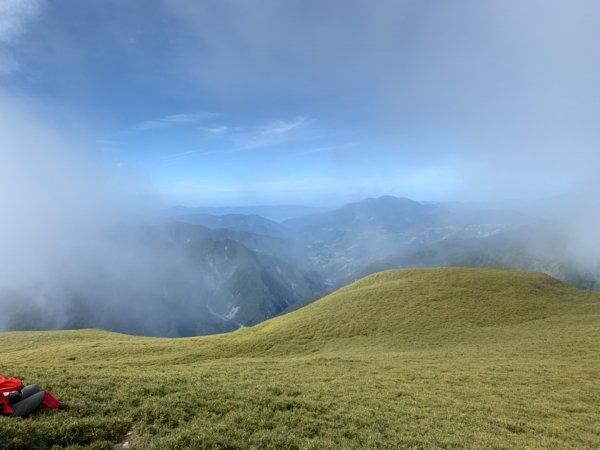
[111,112]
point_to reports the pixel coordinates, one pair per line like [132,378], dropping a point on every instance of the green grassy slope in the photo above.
[434,358]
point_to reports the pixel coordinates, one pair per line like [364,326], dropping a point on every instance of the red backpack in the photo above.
[10,384]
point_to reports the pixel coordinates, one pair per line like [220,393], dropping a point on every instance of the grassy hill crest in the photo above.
[404,358]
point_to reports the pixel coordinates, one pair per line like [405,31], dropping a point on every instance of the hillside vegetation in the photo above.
[433,358]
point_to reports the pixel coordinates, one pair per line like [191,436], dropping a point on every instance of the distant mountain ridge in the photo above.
[201,273]
[346,241]
[277,213]
[250,223]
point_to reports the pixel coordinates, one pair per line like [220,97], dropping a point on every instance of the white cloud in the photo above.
[279,127]
[328,148]
[174,120]
[188,117]
[275,132]
[216,130]
[15,17]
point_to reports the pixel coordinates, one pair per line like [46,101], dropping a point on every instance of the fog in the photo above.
[73,254]
[490,105]
[49,199]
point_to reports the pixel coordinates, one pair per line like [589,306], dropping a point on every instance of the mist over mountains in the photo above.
[197,273]
[276,213]
[278,103]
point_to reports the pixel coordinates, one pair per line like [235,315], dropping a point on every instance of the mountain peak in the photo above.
[389,200]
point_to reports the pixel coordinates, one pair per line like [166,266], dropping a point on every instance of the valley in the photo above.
[197,274]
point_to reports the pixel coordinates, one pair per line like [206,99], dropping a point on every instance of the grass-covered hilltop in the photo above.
[433,358]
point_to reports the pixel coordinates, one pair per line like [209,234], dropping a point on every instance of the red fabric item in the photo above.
[51,401]
[5,405]
[10,384]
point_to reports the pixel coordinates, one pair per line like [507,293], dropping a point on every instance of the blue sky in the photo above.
[315,102]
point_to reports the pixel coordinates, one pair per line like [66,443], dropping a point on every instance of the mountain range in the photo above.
[196,273]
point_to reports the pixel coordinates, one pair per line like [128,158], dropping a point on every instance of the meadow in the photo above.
[432,358]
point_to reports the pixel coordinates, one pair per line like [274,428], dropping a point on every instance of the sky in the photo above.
[318,102]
